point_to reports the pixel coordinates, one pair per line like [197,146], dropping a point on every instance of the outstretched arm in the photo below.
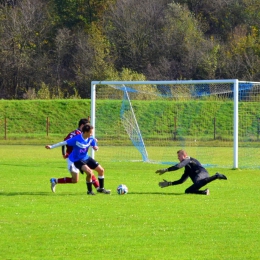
[55,145]
[179,165]
[175,167]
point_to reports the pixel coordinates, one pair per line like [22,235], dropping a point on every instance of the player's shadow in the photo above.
[157,193]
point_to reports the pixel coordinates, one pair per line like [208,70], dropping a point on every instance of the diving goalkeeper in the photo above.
[193,169]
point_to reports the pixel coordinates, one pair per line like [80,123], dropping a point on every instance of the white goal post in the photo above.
[195,90]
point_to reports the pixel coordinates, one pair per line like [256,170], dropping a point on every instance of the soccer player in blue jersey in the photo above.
[66,151]
[82,160]
[193,169]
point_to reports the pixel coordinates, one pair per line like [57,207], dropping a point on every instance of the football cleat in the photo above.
[90,193]
[53,184]
[221,176]
[103,190]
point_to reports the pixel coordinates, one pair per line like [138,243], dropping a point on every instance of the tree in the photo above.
[241,56]
[62,63]
[77,13]
[91,59]
[218,17]
[134,30]
[24,29]
[159,39]
[183,44]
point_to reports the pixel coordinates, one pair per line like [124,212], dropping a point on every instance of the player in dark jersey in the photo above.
[66,151]
[193,169]
[79,156]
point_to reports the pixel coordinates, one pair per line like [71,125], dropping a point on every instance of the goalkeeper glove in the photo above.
[162,171]
[165,183]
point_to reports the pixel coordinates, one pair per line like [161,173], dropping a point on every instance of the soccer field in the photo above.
[147,223]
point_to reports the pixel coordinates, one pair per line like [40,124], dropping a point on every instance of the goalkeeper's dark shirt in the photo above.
[193,169]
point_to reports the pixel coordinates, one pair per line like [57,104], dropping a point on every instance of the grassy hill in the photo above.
[26,121]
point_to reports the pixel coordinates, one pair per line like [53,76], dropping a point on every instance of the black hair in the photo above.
[87,128]
[83,121]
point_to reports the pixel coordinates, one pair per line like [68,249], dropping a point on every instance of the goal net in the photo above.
[215,121]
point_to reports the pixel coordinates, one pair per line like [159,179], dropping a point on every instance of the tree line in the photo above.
[55,48]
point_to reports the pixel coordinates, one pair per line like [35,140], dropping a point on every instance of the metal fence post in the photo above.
[47,126]
[5,128]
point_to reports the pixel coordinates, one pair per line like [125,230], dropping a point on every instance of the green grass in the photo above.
[147,223]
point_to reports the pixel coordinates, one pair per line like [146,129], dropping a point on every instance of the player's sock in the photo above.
[64,180]
[89,186]
[101,180]
[95,182]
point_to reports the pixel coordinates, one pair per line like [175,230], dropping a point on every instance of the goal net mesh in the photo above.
[152,122]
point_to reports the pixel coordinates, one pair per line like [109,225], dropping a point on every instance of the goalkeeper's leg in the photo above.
[195,189]
[207,180]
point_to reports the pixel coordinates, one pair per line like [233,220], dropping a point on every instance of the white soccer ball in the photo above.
[122,189]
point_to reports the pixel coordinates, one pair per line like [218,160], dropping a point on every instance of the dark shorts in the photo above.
[90,162]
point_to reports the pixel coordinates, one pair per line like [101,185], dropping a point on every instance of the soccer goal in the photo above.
[215,121]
